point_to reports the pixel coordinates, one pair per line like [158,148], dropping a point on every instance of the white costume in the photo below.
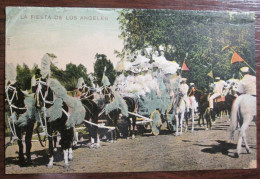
[184,88]
[247,85]
[218,90]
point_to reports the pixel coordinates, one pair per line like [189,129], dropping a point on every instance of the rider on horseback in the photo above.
[192,96]
[247,84]
[218,90]
[184,91]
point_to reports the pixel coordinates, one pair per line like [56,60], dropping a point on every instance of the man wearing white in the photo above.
[184,88]
[247,84]
[218,90]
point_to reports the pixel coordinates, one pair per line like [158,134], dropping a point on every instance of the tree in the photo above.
[24,77]
[100,64]
[200,34]
[70,76]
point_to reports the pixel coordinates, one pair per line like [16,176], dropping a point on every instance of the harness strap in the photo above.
[12,123]
[99,126]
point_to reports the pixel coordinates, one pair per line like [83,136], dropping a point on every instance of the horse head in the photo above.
[230,87]
[108,95]
[15,97]
[43,93]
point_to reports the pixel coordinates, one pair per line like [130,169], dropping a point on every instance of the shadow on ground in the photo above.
[222,147]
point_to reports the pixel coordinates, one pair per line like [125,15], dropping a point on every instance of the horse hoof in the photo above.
[248,151]
[29,162]
[67,166]
[92,146]
[71,158]
[98,145]
[236,155]
[50,166]
[22,164]
[133,137]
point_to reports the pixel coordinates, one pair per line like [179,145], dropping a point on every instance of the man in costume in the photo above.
[247,84]
[184,91]
[218,90]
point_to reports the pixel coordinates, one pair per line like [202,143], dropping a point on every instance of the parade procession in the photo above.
[156,89]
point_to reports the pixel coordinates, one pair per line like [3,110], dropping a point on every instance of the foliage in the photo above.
[100,64]
[200,34]
[70,76]
[24,76]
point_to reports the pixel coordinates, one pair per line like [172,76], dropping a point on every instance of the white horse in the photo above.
[243,113]
[186,111]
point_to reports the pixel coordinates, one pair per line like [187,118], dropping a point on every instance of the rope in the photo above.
[12,126]
[99,125]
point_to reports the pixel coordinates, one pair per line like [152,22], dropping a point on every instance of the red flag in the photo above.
[236,58]
[184,67]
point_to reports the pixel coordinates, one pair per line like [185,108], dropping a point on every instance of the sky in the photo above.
[72,34]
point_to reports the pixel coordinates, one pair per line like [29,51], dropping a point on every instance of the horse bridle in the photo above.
[11,105]
[85,94]
[39,84]
[39,91]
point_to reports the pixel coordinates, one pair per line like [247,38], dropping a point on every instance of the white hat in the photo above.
[184,79]
[217,78]
[191,84]
[244,69]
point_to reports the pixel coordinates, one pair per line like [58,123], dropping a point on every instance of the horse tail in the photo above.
[234,116]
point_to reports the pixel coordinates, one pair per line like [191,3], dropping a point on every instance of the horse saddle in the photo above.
[220,99]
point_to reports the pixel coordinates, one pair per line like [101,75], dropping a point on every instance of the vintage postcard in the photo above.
[90,90]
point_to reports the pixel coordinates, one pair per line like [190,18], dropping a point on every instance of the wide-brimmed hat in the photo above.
[244,69]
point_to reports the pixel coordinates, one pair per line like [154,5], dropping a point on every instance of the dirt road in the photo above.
[199,150]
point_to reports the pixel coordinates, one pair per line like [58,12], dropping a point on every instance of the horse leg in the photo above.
[242,136]
[20,145]
[75,138]
[246,144]
[177,124]
[212,115]
[192,118]
[28,142]
[186,118]
[66,143]
[51,152]
[182,117]
[199,120]
[133,126]
[55,142]
[71,157]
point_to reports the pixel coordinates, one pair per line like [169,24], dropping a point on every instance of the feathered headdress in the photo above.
[10,74]
[46,65]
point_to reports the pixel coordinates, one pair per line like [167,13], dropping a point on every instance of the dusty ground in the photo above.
[199,150]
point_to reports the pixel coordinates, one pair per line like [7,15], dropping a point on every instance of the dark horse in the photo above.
[45,99]
[86,95]
[113,116]
[15,99]
[203,108]
[219,106]
[131,119]
[203,104]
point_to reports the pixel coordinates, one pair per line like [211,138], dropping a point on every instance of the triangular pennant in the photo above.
[236,58]
[184,67]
